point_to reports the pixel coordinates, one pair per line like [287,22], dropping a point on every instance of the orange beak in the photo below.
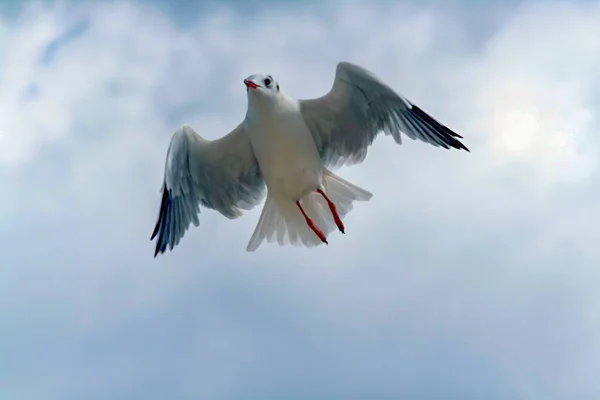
[250,84]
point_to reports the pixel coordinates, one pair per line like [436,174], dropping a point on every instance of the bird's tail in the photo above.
[282,221]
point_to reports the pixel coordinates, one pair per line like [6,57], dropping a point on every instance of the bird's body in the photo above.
[288,147]
[284,148]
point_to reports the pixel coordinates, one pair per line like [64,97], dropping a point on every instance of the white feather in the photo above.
[283,222]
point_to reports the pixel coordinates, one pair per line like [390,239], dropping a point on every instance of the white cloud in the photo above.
[538,80]
[455,250]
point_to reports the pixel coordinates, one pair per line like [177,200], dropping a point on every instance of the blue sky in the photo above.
[466,276]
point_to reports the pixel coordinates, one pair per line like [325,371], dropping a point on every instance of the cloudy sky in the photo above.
[466,276]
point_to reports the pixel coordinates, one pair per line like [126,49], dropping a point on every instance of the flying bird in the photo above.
[285,149]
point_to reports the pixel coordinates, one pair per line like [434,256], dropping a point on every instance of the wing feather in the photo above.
[346,121]
[222,175]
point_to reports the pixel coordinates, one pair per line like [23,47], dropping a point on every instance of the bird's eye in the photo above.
[267,82]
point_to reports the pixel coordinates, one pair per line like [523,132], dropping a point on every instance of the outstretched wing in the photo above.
[222,175]
[346,120]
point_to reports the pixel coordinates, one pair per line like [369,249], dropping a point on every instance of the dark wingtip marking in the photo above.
[447,134]
[160,226]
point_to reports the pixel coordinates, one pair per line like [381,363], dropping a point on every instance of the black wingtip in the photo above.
[160,221]
[460,146]
[446,134]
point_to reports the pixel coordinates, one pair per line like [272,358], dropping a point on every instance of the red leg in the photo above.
[336,216]
[312,225]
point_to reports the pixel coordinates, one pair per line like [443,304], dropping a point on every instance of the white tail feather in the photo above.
[282,221]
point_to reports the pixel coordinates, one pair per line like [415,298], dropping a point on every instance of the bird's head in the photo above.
[262,87]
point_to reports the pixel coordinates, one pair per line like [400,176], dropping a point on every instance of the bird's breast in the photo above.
[287,155]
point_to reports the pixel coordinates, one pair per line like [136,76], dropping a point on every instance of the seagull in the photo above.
[285,149]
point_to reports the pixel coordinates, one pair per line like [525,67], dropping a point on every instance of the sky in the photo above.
[466,276]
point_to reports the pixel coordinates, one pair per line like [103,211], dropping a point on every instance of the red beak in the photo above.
[250,84]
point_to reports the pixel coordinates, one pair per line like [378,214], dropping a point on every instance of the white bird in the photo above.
[289,146]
